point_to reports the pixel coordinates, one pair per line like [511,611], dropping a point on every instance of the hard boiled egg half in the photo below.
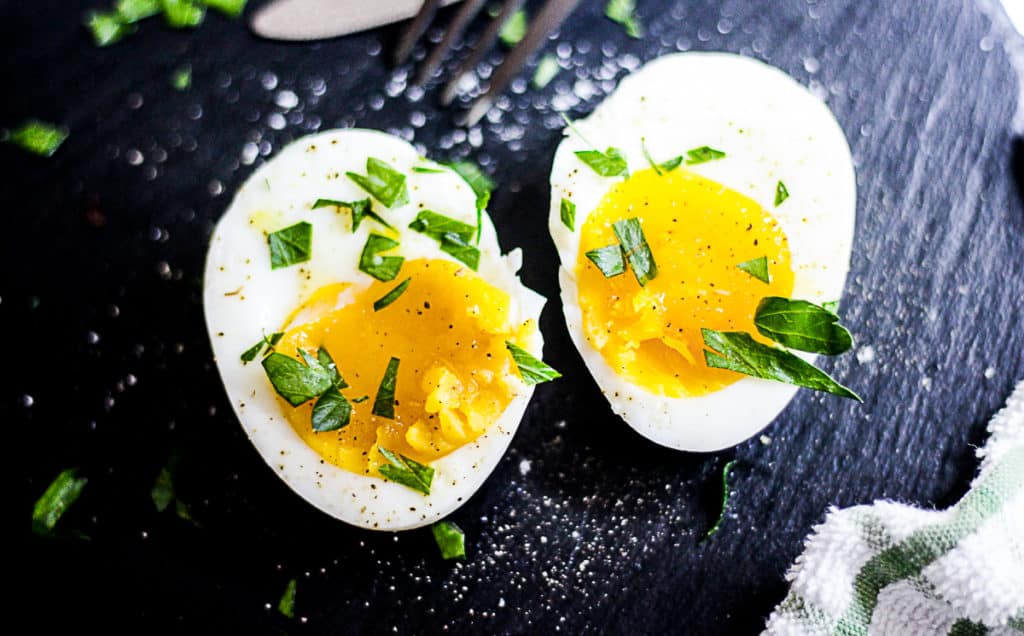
[376,346]
[742,184]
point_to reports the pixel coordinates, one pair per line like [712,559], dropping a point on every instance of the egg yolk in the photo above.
[698,231]
[448,329]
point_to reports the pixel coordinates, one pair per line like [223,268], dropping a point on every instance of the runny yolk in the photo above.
[698,231]
[448,330]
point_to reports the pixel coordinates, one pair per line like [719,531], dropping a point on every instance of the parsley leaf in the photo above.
[383,182]
[532,370]
[287,603]
[250,354]
[295,382]
[383,268]
[737,351]
[514,29]
[609,163]
[407,472]
[758,268]
[392,295]
[831,305]
[452,244]
[324,359]
[427,170]
[482,186]
[107,27]
[546,71]
[702,155]
[37,137]
[567,211]
[63,491]
[665,166]
[608,260]
[621,11]
[163,494]
[450,540]
[331,411]
[384,403]
[131,11]
[725,498]
[230,8]
[182,14]
[181,80]
[290,245]
[360,210]
[801,325]
[781,193]
[638,253]
[437,225]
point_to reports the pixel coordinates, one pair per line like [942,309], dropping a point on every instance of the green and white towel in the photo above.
[894,569]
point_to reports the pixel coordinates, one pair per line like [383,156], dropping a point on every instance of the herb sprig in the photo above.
[382,182]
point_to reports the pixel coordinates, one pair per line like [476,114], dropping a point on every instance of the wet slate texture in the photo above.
[584,526]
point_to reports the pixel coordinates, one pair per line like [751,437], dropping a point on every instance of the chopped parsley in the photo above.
[532,370]
[405,471]
[781,193]
[267,343]
[802,325]
[63,491]
[131,11]
[181,80]
[287,603]
[453,245]
[331,411]
[514,28]
[450,540]
[609,163]
[437,225]
[482,186]
[392,295]
[37,137]
[758,268]
[567,210]
[831,305]
[290,245]
[383,268]
[107,27]
[725,498]
[384,403]
[360,210]
[702,155]
[318,379]
[608,259]
[622,12]
[546,71]
[163,493]
[638,253]
[427,170]
[663,167]
[230,8]
[183,14]
[737,351]
[383,182]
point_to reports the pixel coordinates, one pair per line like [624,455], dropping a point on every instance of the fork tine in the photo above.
[415,30]
[549,18]
[486,42]
[451,38]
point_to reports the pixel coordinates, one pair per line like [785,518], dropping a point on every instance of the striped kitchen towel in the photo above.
[894,569]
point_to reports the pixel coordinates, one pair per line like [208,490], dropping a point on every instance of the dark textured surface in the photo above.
[602,531]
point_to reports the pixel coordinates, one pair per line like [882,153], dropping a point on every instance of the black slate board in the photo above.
[101,307]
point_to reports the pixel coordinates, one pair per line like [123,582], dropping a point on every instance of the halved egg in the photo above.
[742,186]
[368,330]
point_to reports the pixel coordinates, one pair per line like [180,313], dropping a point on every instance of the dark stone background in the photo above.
[101,308]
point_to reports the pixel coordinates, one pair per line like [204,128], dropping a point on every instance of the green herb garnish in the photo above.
[737,351]
[621,11]
[758,268]
[567,211]
[183,14]
[391,296]
[318,378]
[331,411]
[383,268]
[638,253]
[384,403]
[427,170]
[781,193]
[230,8]
[107,27]
[450,540]
[63,491]
[268,342]
[482,186]
[801,325]
[325,360]
[437,225]
[290,245]
[287,603]
[407,472]
[546,71]
[360,210]
[131,11]
[514,29]
[831,305]
[163,493]
[453,245]
[383,182]
[532,370]
[663,167]
[609,163]
[37,137]
[181,80]
[703,154]
[608,260]
[725,498]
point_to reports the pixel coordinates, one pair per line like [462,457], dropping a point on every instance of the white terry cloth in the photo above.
[892,569]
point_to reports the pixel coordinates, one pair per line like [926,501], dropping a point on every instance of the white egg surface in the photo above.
[424,374]
[762,173]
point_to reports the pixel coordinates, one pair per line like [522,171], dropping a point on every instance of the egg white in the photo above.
[243,299]
[771,129]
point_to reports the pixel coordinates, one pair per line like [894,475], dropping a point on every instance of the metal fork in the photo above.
[548,19]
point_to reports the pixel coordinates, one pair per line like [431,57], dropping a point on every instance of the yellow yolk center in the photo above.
[448,330]
[698,231]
